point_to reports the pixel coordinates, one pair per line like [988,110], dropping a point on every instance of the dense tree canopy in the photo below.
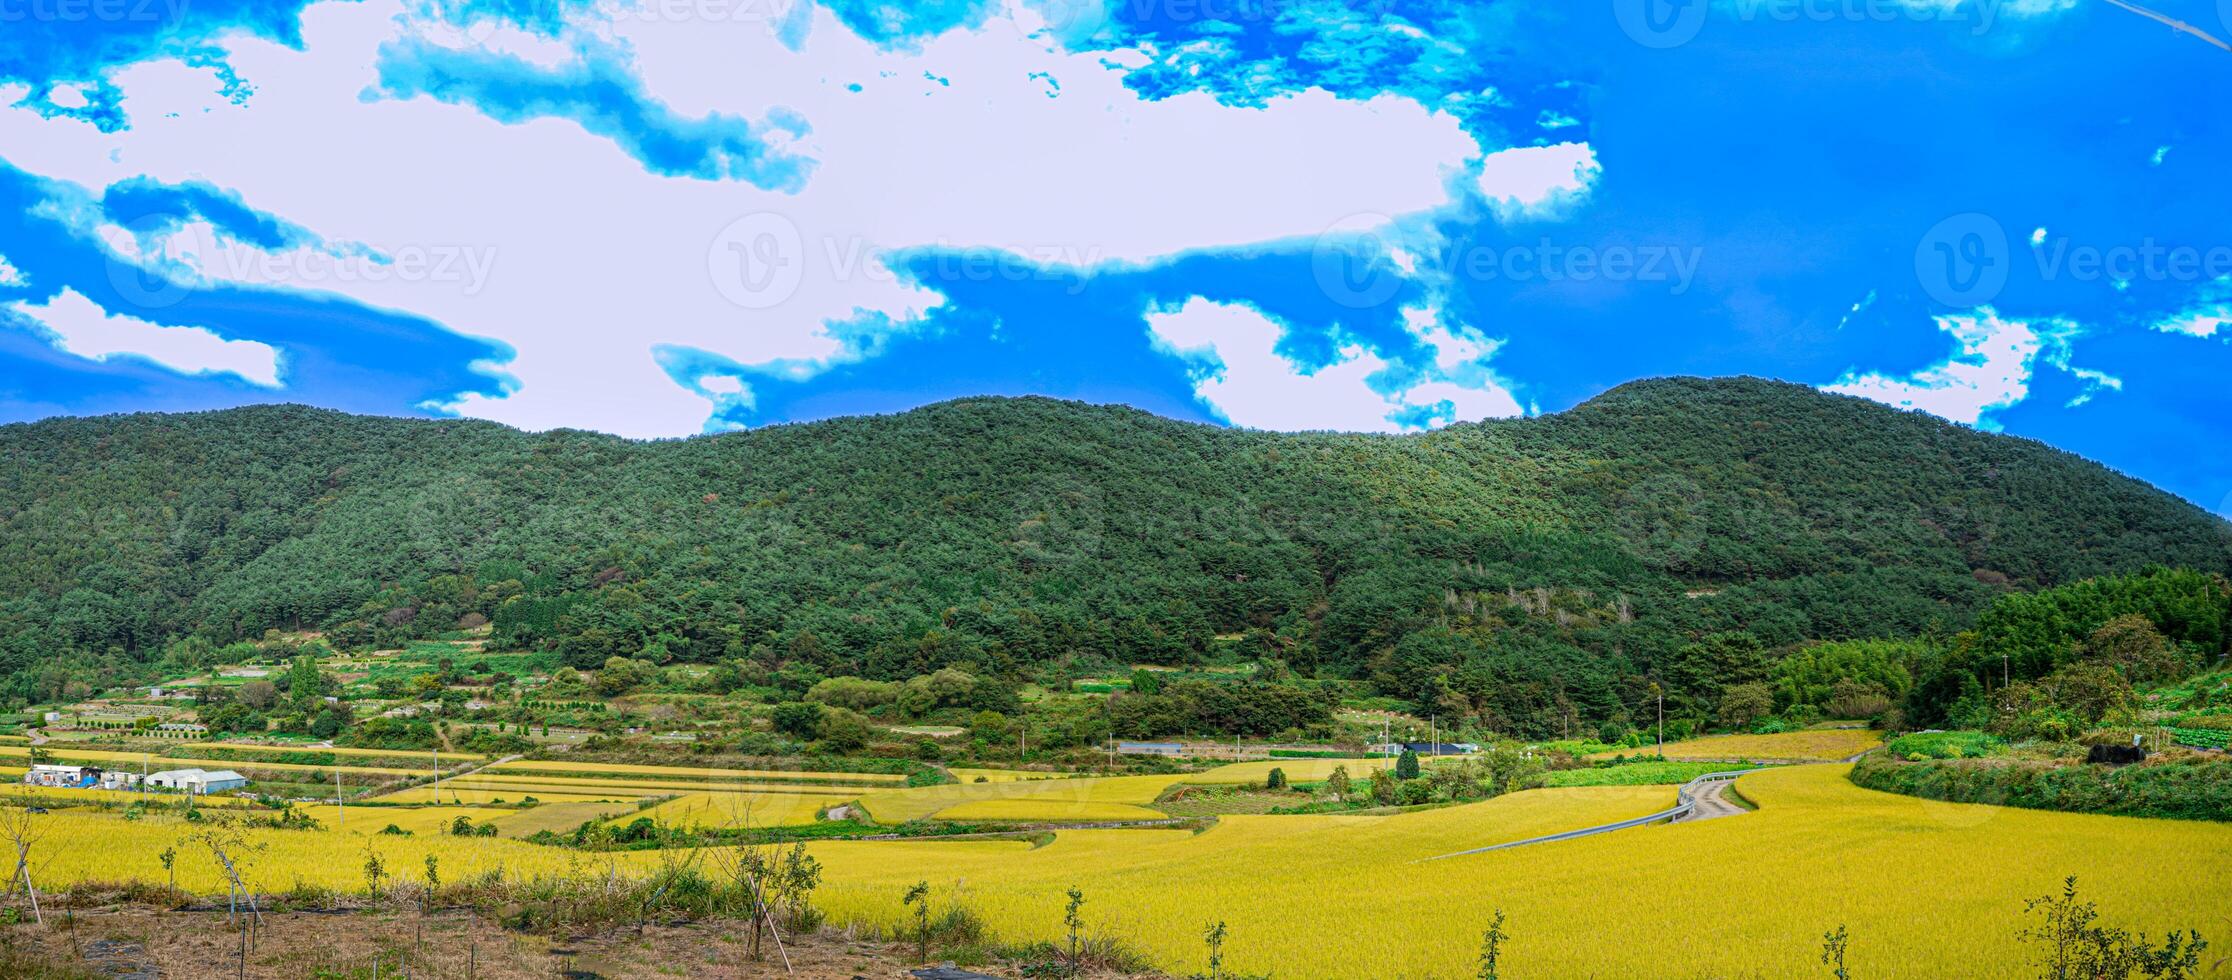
[1534,573]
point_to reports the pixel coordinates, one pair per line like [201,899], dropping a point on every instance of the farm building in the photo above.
[198,780]
[70,777]
[1150,748]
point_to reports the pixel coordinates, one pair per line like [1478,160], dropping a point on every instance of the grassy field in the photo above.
[1741,896]
[1813,745]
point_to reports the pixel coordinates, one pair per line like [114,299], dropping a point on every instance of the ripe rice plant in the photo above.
[570,768]
[1821,745]
[645,786]
[1741,893]
[714,810]
[1046,810]
[923,802]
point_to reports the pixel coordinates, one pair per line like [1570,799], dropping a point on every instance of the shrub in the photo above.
[1945,745]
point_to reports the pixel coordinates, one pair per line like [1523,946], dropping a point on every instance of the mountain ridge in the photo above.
[1010,533]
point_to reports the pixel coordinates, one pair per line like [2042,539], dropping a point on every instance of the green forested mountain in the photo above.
[1526,569]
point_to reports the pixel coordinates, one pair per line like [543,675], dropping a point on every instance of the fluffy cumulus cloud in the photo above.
[1538,181]
[75,325]
[725,184]
[10,276]
[1991,369]
[1240,370]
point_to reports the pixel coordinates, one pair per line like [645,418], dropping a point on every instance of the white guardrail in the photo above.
[1685,800]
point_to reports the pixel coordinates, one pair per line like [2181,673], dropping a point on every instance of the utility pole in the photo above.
[1434,732]
[340,810]
[2003,670]
[1660,693]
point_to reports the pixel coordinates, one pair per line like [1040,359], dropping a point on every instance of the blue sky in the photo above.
[664,217]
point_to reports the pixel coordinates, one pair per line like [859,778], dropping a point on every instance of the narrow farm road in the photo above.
[1710,802]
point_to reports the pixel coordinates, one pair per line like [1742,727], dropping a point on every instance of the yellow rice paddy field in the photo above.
[135,760]
[51,796]
[1053,799]
[446,794]
[563,769]
[1739,896]
[417,820]
[1297,770]
[722,810]
[1030,809]
[646,786]
[1745,895]
[1003,775]
[1824,745]
[446,757]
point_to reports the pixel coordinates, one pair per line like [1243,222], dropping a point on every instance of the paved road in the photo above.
[1710,803]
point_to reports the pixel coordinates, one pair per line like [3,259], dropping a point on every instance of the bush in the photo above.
[1406,765]
[2193,788]
[1945,745]
[1277,779]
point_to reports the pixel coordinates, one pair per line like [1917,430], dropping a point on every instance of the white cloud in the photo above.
[1991,369]
[69,96]
[10,276]
[598,261]
[1538,181]
[76,326]
[2038,236]
[2210,314]
[1240,373]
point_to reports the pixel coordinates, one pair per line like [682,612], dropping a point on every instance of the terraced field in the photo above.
[1750,895]
[136,760]
[698,811]
[1825,745]
[1046,799]
[571,769]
